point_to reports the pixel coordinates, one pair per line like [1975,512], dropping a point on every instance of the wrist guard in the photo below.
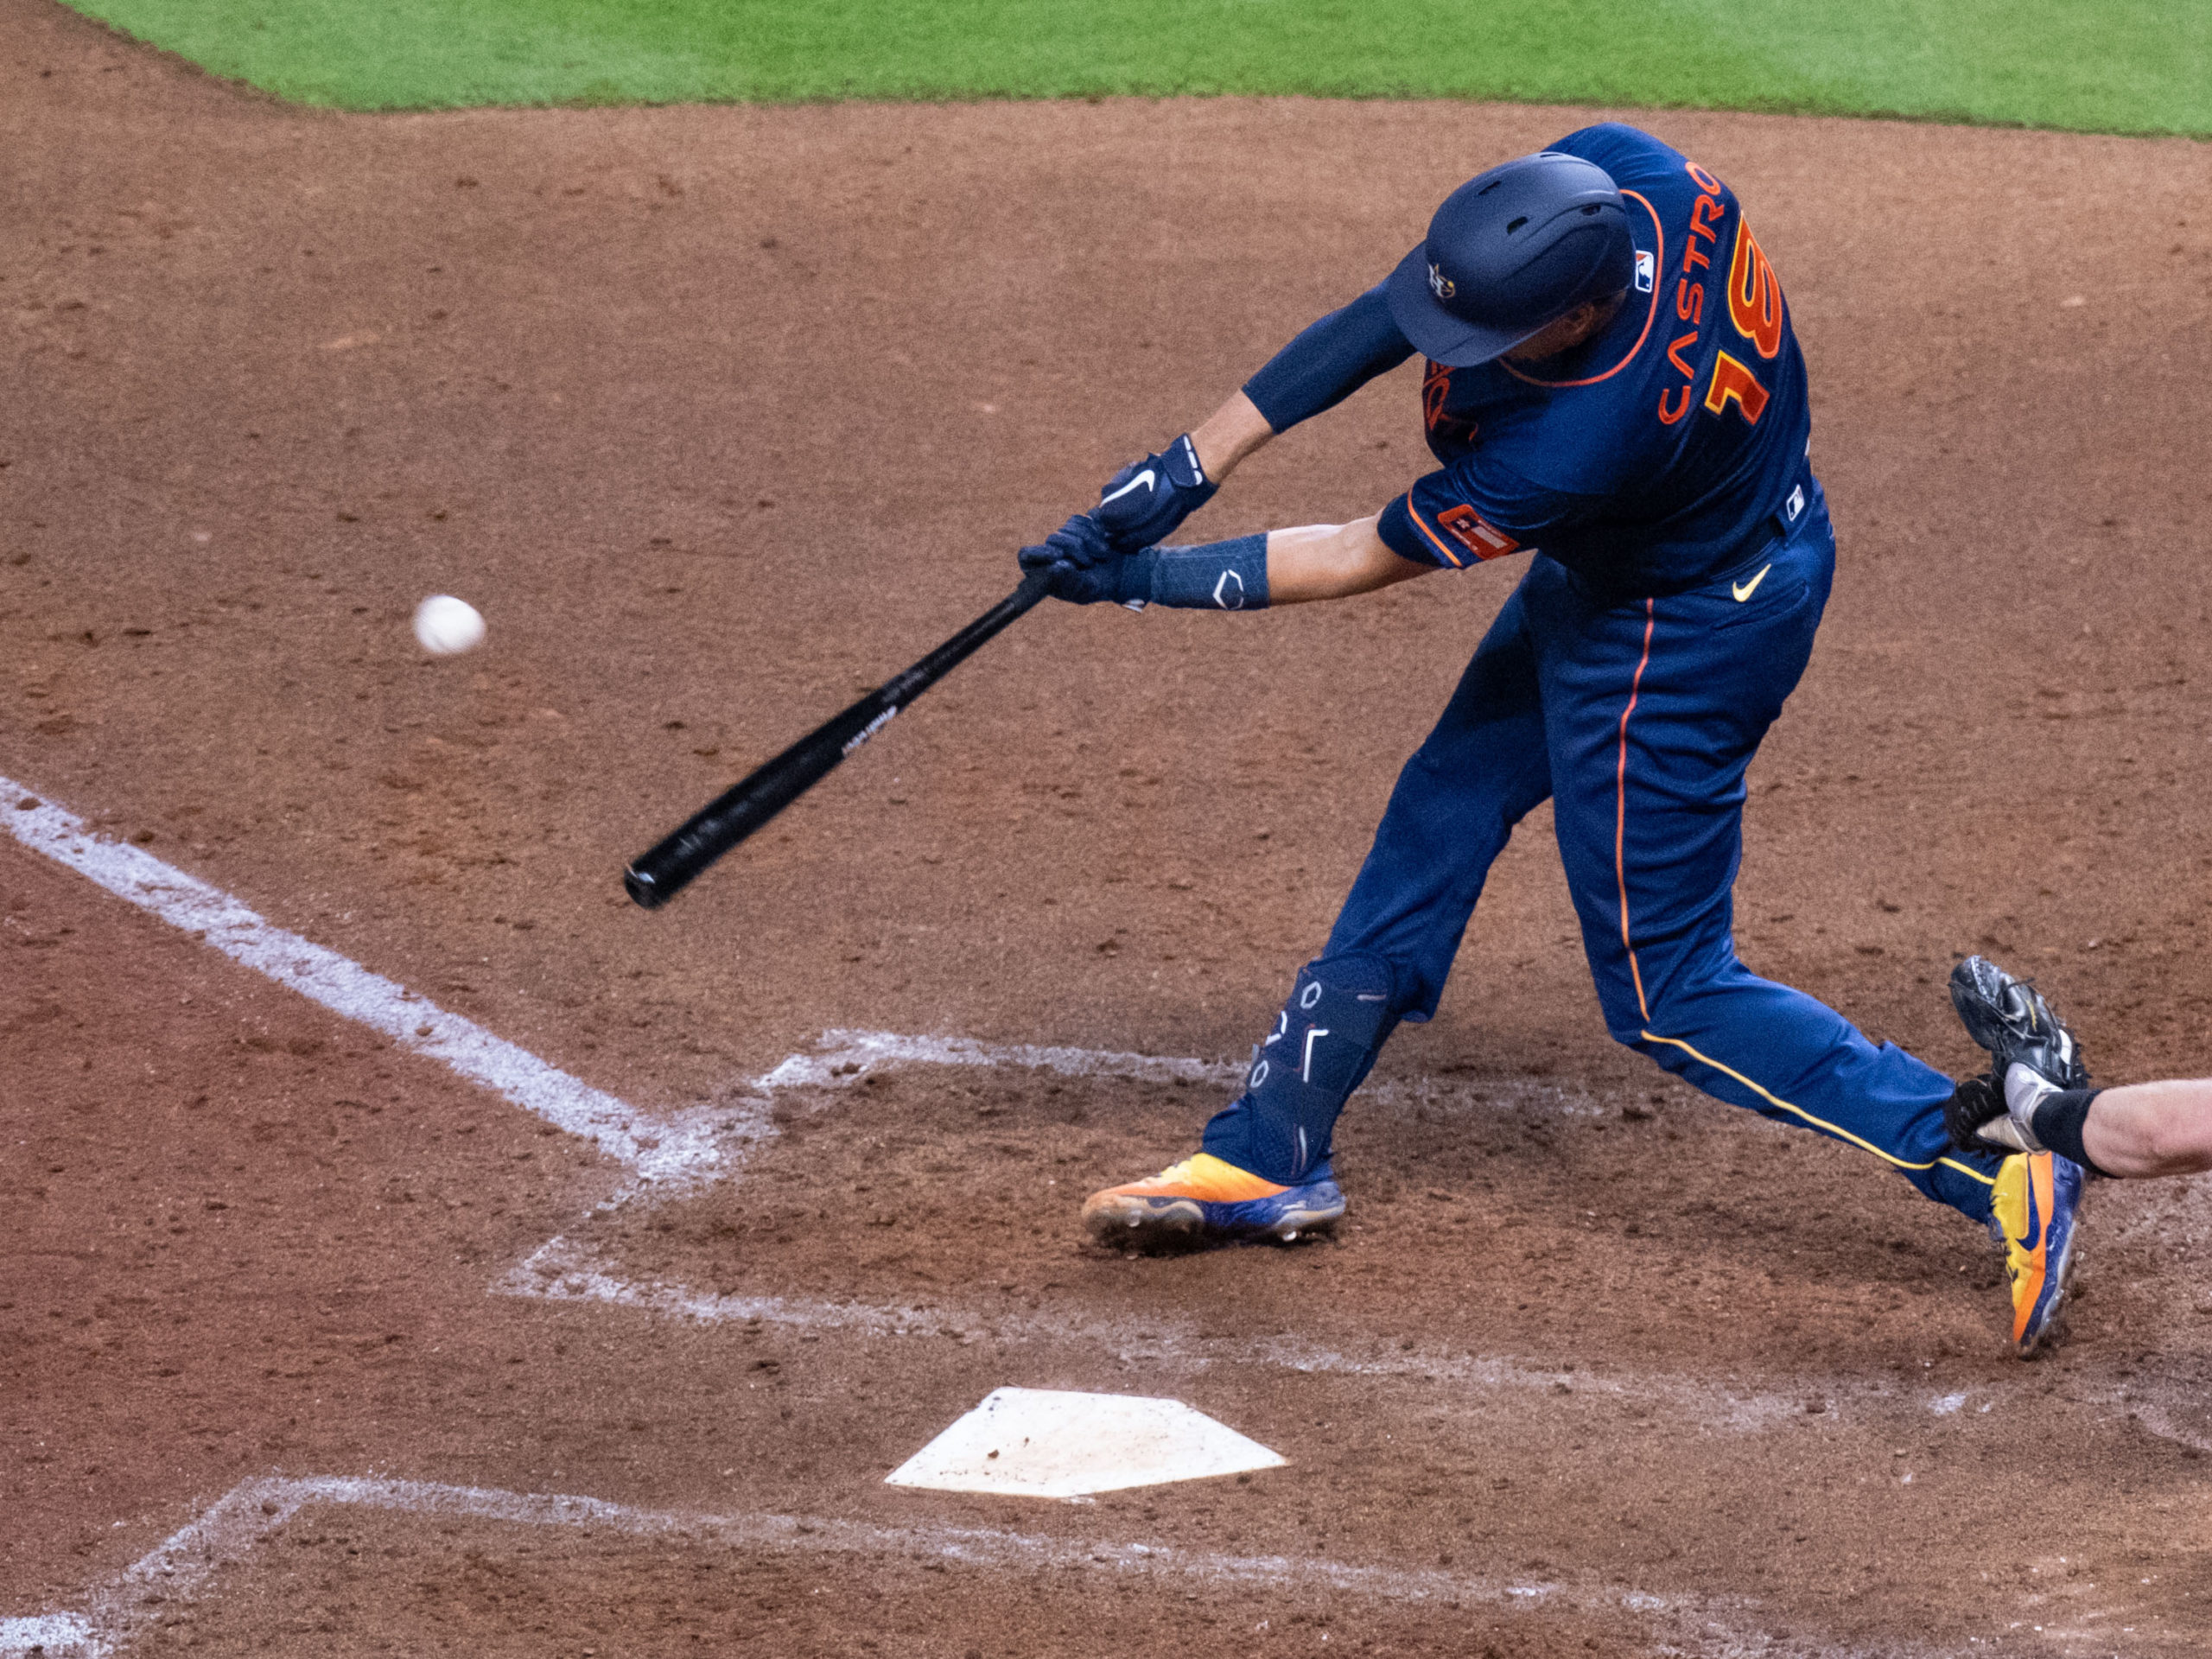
[1229,575]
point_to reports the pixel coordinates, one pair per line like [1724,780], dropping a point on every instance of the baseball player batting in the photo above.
[1612,390]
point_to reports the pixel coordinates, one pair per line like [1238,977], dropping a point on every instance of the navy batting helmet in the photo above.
[1508,251]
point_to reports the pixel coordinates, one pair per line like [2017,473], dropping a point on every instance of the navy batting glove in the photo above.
[1142,504]
[1083,565]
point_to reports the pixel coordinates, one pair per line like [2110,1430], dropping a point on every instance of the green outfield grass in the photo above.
[2116,66]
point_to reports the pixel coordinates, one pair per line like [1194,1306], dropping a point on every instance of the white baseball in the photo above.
[446,627]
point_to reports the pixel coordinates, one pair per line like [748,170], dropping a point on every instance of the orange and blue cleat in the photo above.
[2036,1203]
[1203,1201]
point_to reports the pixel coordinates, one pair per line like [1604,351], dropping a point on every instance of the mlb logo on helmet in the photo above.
[1439,284]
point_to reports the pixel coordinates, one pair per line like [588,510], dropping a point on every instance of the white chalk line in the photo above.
[231,1530]
[562,1270]
[654,1150]
[43,1633]
[842,1055]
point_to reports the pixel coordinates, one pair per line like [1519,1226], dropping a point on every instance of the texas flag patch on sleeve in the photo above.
[1434,523]
[1475,533]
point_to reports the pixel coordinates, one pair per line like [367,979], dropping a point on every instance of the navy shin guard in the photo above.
[1322,1046]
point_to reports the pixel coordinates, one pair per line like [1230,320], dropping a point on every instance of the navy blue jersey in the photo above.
[1649,458]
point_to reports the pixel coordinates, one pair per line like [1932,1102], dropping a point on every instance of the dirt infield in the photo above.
[720,415]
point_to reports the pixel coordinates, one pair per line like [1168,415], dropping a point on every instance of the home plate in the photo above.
[1051,1443]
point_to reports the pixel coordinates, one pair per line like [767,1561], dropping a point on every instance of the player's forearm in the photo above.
[1231,433]
[1245,572]
[2151,1128]
[1332,562]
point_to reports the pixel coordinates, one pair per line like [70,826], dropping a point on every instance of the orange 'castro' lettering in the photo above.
[1689,302]
[1732,380]
[1668,417]
[1754,295]
[1435,396]
[1703,179]
[1435,388]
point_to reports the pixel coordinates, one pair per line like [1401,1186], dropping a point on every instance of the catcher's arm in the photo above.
[2140,1130]
[2151,1128]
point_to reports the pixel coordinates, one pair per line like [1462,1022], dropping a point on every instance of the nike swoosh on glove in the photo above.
[1142,504]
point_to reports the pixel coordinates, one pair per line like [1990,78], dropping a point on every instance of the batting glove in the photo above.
[1081,563]
[1142,504]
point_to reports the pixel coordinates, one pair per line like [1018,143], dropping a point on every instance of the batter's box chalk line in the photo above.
[655,1150]
[667,1156]
[232,1531]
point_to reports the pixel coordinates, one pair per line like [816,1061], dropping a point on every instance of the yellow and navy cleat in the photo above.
[2035,1206]
[1204,1201]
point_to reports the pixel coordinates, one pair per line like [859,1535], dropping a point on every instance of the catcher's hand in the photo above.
[1978,1121]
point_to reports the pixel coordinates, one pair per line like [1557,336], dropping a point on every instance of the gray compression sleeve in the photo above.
[1229,575]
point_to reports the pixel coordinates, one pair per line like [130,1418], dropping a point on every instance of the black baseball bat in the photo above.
[670,867]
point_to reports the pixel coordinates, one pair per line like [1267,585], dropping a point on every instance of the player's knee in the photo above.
[1626,1036]
[1626,1020]
[1671,996]
[1636,1035]
[1667,1057]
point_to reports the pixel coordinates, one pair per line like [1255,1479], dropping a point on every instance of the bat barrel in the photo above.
[669,867]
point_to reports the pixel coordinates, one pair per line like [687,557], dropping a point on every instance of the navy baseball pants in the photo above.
[1637,718]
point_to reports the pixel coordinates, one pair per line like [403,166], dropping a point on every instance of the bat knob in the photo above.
[643,889]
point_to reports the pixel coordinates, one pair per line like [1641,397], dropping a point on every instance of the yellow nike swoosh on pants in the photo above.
[1744,590]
